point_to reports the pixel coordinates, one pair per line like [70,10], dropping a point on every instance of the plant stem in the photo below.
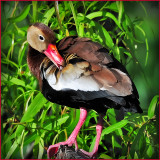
[58,17]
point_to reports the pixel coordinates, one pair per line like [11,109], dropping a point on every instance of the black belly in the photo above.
[97,100]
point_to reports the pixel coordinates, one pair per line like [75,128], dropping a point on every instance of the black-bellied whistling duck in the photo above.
[79,73]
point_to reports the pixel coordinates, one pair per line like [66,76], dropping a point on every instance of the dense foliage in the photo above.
[29,123]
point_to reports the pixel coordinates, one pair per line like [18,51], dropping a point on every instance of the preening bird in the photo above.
[77,72]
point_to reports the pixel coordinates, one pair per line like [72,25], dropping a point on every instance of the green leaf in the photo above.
[30,138]
[22,143]
[134,146]
[32,110]
[113,142]
[112,119]
[150,151]
[20,31]
[74,16]
[7,61]
[34,3]
[16,143]
[142,144]
[62,120]
[90,115]
[122,157]
[75,120]
[114,127]
[15,81]
[135,155]
[22,16]
[112,6]
[22,52]
[104,14]
[48,125]
[112,115]
[128,54]
[116,53]
[10,51]
[146,41]
[92,144]
[103,33]
[105,156]
[81,29]
[91,4]
[41,148]
[48,15]
[152,106]
[120,10]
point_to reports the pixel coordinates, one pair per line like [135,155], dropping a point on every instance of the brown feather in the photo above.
[85,49]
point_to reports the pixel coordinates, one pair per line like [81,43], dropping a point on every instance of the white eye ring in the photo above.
[41,38]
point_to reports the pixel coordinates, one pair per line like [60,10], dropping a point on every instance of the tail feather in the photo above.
[132,104]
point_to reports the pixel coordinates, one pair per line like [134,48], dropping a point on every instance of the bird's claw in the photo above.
[52,150]
[89,154]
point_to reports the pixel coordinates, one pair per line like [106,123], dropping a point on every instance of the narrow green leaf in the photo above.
[116,53]
[16,143]
[107,40]
[58,16]
[7,61]
[134,146]
[14,80]
[74,15]
[122,157]
[128,54]
[75,120]
[34,3]
[22,143]
[152,106]
[112,115]
[91,4]
[10,51]
[48,15]
[113,140]
[112,6]
[114,127]
[81,29]
[142,144]
[61,121]
[8,139]
[150,151]
[48,125]
[142,5]
[32,110]
[30,138]
[22,52]
[135,155]
[146,41]
[120,10]
[105,156]
[90,115]
[37,140]
[104,14]
[43,115]
[22,16]
[41,148]
[92,144]
[105,5]
[20,31]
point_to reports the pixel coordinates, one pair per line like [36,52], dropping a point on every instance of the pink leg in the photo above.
[99,131]
[72,138]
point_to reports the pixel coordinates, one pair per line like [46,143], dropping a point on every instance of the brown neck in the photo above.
[34,59]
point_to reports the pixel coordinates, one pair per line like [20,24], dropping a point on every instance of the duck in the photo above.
[79,73]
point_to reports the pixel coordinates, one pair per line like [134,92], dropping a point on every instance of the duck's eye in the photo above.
[41,38]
